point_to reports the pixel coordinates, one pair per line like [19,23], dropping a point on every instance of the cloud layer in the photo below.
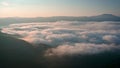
[69,37]
[80,48]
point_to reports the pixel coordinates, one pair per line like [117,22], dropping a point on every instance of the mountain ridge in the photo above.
[102,17]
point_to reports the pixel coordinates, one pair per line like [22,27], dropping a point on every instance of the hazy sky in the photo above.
[45,8]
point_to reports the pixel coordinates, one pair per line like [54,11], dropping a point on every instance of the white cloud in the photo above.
[111,38]
[79,48]
[94,35]
[57,33]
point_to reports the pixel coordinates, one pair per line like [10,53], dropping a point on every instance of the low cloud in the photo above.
[80,48]
[111,38]
[69,37]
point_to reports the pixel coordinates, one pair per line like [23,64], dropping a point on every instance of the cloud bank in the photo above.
[80,48]
[68,37]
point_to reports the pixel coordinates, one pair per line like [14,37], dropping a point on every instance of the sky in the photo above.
[47,8]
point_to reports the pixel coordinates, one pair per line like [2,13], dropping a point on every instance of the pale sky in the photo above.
[47,8]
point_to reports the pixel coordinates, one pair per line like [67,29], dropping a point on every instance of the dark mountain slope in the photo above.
[15,52]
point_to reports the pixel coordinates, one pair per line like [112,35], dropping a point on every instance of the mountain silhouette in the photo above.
[103,17]
[14,52]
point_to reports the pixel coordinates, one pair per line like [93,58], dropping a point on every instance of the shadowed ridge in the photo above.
[15,52]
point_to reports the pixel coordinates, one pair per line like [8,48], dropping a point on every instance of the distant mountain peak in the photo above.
[107,14]
[106,17]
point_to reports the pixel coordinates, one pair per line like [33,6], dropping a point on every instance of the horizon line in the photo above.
[57,16]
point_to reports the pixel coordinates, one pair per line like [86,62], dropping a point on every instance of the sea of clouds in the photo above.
[69,37]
